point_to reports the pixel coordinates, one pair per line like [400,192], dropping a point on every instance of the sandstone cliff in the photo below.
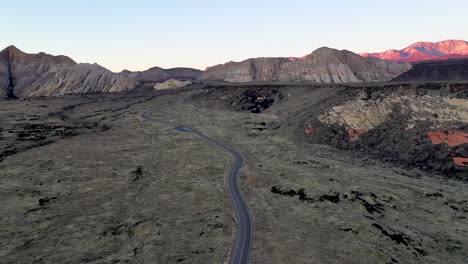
[324,65]
[41,74]
[82,78]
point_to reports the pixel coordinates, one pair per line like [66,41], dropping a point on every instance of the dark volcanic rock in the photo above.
[412,125]
[447,70]
[252,99]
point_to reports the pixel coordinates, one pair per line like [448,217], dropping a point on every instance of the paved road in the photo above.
[240,252]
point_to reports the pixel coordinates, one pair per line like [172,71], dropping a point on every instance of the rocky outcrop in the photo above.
[423,125]
[260,69]
[366,114]
[324,65]
[5,76]
[423,51]
[452,138]
[447,70]
[418,125]
[18,70]
[171,84]
[82,78]
[157,74]
[41,74]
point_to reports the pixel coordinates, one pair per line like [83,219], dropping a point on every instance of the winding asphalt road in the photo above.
[240,252]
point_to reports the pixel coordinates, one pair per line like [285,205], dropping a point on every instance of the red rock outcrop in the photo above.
[355,134]
[450,137]
[461,161]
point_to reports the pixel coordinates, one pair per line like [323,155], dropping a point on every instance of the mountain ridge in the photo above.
[324,65]
[23,74]
[158,74]
[27,74]
[424,51]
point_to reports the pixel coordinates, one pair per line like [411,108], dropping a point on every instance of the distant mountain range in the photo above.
[324,65]
[157,74]
[23,74]
[424,51]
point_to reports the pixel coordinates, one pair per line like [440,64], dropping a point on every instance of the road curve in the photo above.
[240,252]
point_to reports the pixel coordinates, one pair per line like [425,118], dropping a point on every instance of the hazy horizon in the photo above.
[143,34]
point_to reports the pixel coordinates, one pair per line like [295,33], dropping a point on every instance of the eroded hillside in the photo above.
[324,65]
[413,125]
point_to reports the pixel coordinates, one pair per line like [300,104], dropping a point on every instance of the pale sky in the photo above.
[140,34]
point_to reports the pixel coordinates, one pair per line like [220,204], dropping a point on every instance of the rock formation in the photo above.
[157,74]
[423,125]
[324,65]
[82,78]
[423,51]
[171,84]
[19,70]
[41,74]
[366,114]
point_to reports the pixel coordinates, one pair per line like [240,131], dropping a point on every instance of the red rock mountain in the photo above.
[423,51]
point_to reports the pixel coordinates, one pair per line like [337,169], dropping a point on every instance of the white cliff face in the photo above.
[24,75]
[82,78]
[322,66]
